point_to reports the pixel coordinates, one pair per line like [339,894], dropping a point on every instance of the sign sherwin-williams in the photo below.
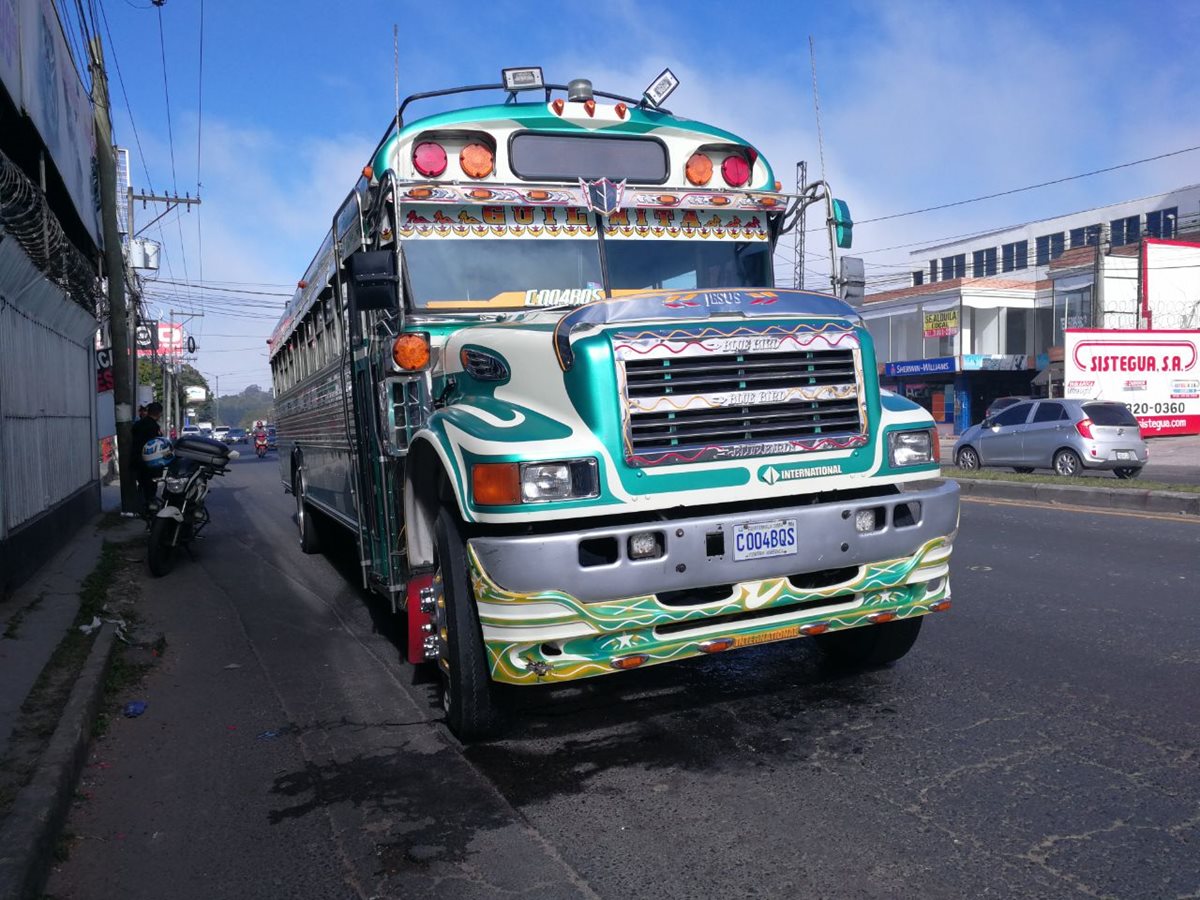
[921,366]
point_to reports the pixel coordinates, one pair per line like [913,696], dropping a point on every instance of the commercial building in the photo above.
[984,317]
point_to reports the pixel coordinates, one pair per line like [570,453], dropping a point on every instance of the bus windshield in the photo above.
[459,273]
[512,274]
[687,264]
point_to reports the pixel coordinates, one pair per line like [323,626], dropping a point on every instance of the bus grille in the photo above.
[682,407]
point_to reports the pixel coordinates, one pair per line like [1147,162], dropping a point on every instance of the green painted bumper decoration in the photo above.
[608,636]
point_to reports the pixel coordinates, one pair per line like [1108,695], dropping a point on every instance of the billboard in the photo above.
[1157,373]
[163,338]
[195,394]
[1170,283]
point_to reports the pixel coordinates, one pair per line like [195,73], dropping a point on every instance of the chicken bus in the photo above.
[539,370]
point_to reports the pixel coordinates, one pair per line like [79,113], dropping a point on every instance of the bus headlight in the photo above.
[508,484]
[570,479]
[912,448]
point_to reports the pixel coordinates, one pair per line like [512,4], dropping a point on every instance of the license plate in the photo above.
[1126,454]
[763,539]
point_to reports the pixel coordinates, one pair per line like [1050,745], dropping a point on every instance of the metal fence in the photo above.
[47,391]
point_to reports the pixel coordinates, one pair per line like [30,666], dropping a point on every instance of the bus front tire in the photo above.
[469,696]
[870,646]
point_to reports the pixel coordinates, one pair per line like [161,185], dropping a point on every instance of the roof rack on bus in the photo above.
[398,121]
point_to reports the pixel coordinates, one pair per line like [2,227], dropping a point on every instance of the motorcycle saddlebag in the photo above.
[204,450]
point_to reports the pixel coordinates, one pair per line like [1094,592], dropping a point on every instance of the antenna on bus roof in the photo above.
[396,68]
[812,55]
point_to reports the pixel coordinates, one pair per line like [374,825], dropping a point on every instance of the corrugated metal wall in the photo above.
[47,392]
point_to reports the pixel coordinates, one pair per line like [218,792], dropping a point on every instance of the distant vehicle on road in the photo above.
[1067,436]
[271,437]
[190,431]
[1003,403]
[220,432]
[236,436]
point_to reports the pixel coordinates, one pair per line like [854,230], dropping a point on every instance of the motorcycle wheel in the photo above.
[161,555]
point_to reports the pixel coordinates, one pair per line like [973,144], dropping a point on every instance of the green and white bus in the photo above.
[540,370]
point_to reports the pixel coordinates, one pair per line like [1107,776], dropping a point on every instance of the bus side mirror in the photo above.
[373,280]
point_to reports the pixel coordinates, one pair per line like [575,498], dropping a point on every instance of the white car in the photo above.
[190,431]
[220,432]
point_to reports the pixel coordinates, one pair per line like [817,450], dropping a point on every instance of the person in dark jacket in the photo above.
[144,429]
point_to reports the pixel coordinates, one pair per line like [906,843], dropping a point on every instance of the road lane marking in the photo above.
[1064,507]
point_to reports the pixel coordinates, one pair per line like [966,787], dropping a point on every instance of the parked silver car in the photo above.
[1067,436]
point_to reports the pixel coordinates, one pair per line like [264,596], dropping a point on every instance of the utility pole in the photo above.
[114,264]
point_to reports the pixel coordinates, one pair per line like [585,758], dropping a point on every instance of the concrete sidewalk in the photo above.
[33,622]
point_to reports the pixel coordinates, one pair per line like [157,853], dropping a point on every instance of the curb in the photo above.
[37,815]
[1169,502]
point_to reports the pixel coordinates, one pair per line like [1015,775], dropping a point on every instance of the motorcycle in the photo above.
[260,446]
[182,514]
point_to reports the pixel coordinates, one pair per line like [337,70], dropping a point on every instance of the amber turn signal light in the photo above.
[496,484]
[411,352]
[699,169]
[476,160]
[629,662]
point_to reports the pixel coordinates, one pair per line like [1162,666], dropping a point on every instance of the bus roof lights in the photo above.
[699,169]
[430,159]
[735,170]
[621,110]
[579,90]
[525,78]
[368,173]
[477,160]
[558,105]
[661,88]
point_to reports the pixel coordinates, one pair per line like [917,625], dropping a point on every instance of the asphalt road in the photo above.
[1040,741]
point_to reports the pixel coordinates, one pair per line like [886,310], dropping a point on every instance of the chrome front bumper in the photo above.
[547,617]
[827,535]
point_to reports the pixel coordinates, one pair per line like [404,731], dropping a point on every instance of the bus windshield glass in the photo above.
[687,264]
[460,273]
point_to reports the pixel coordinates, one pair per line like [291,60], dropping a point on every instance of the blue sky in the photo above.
[922,104]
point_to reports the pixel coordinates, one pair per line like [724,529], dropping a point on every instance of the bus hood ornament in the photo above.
[603,196]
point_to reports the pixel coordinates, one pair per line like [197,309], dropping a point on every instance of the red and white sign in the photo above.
[1157,373]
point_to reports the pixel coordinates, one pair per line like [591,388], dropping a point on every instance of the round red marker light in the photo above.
[430,159]
[735,170]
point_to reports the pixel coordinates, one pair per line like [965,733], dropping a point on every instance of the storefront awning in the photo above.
[1052,372]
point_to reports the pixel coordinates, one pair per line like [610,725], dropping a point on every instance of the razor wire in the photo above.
[26,217]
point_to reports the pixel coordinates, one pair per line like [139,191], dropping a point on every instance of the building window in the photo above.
[918,277]
[1015,256]
[1085,237]
[1125,231]
[954,267]
[983,262]
[1161,222]
[933,271]
[1049,246]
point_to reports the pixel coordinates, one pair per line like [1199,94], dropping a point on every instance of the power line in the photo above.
[205,287]
[162,46]
[1031,187]
[199,133]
